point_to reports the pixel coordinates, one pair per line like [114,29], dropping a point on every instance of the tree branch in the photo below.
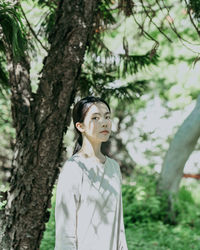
[146,33]
[151,20]
[191,19]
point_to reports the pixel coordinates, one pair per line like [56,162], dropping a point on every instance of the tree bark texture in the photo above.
[40,120]
[179,151]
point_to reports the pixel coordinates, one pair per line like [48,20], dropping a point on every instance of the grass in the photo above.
[158,236]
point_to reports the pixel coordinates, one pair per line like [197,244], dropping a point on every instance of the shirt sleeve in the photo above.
[68,197]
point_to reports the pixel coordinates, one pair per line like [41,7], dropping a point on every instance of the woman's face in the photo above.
[97,123]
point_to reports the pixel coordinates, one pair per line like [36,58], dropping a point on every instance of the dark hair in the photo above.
[79,113]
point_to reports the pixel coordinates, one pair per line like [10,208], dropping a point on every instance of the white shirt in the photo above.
[89,211]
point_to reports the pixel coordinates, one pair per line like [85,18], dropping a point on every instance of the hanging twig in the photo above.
[146,33]
[173,27]
[32,31]
[151,20]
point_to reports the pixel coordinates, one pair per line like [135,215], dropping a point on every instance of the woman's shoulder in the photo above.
[116,166]
[113,161]
[71,166]
[70,175]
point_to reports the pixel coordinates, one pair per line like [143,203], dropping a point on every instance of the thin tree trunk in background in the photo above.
[40,121]
[179,151]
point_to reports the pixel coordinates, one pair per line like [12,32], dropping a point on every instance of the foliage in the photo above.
[13,30]
[12,37]
[189,213]
[99,75]
[142,204]
[98,82]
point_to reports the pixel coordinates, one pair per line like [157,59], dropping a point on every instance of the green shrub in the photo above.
[189,211]
[141,204]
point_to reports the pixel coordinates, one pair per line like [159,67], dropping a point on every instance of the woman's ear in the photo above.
[80,127]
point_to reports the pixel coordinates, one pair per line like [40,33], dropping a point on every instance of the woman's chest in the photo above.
[101,188]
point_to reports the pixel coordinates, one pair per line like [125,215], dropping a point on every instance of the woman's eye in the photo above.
[95,118]
[108,117]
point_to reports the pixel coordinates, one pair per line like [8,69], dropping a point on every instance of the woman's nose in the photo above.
[105,122]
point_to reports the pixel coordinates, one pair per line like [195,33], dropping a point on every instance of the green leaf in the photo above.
[13,30]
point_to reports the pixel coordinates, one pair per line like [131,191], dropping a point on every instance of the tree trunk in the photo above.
[40,121]
[179,151]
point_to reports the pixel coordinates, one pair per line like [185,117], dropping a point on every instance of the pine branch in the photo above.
[133,63]
[94,81]
[128,93]
[14,43]
[13,35]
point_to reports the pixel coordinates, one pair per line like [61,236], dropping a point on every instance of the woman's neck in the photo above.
[91,150]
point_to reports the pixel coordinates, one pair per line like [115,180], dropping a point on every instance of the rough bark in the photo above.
[179,151]
[40,122]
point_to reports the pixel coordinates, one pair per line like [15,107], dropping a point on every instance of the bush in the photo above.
[145,216]
[189,211]
[140,202]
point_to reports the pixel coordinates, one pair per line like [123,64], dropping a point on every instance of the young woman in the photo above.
[89,212]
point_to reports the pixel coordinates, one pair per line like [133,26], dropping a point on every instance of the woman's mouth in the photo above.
[104,132]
